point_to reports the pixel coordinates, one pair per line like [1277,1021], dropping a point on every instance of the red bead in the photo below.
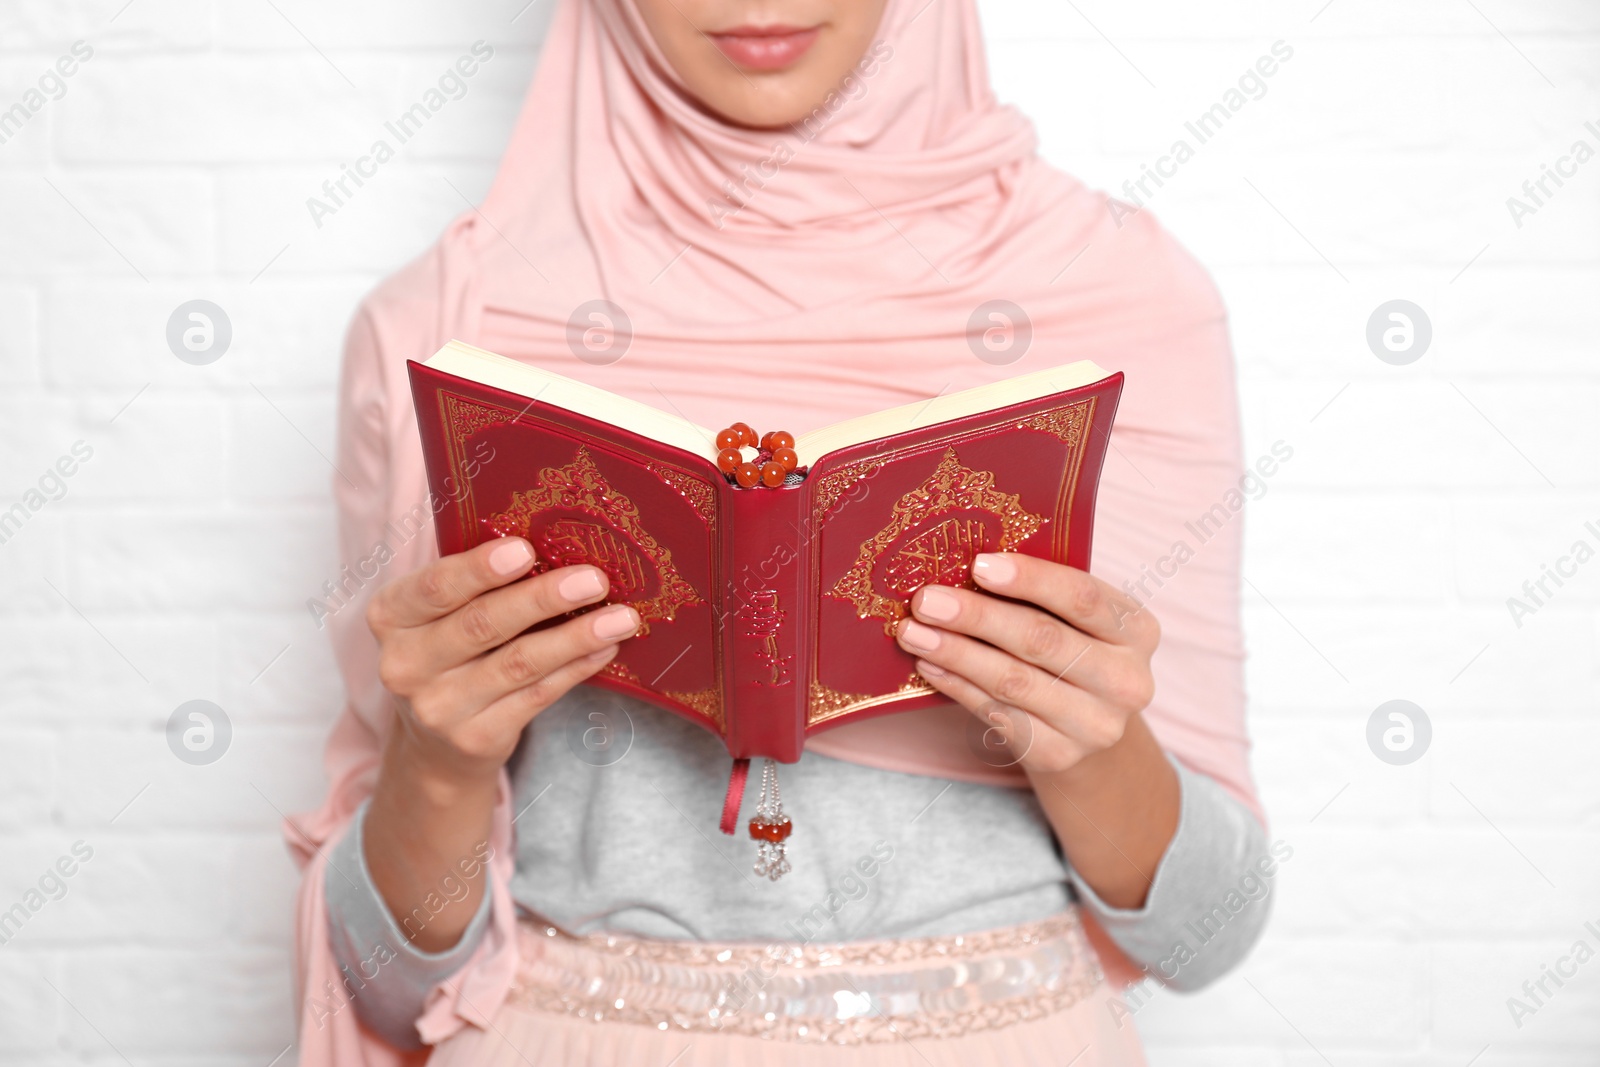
[747,434]
[787,457]
[747,474]
[728,459]
[771,831]
[780,439]
[772,474]
[729,438]
[766,441]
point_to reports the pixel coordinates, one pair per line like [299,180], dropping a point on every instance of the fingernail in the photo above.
[920,637]
[580,585]
[993,568]
[510,557]
[938,604]
[932,671]
[615,622]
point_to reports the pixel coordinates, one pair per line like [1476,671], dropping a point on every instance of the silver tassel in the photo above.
[771,827]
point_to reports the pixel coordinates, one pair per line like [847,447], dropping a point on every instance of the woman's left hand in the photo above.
[1075,658]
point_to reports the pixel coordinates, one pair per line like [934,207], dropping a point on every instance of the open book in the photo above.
[768,612]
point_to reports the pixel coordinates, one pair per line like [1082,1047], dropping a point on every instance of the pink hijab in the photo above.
[791,279]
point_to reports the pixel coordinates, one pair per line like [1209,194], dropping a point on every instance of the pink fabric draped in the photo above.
[791,279]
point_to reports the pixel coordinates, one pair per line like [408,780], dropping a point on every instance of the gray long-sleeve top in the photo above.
[629,845]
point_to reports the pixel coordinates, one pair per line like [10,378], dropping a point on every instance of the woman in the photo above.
[800,206]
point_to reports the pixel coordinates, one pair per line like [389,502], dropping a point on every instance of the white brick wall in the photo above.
[1419,898]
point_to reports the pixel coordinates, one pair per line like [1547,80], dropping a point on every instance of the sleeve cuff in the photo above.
[1210,894]
[386,978]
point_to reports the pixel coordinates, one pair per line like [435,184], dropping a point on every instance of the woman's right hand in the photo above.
[465,684]
[466,680]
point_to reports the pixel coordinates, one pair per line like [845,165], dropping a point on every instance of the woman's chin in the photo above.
[765,105]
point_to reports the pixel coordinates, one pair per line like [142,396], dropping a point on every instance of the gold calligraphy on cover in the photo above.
[763,620]
[942,553]
[570,542]
[614,544]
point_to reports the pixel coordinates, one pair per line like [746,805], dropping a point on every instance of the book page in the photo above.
[548,387]
[818,443]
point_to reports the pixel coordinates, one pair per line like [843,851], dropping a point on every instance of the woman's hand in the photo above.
[1075,658]
[466,680]
[1063,677]
[465,684]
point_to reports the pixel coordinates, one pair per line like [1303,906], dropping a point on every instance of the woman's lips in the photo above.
[764,47]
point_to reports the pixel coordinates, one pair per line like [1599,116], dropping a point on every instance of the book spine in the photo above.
[764,615]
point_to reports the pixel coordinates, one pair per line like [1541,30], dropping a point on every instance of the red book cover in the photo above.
[768,613]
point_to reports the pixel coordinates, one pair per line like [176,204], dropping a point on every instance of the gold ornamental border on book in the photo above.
[951,487]
[831,486]
[706,702]
[622,672]
[1070,424]
[823,703]
[579,486]
[464,417]
[1066,424]
[699,493]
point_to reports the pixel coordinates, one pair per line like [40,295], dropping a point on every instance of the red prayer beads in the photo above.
[777,439]
[774,461]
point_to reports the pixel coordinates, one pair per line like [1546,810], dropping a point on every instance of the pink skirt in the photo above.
[1029,994]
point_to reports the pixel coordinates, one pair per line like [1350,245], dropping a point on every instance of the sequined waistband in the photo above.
[840,993]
